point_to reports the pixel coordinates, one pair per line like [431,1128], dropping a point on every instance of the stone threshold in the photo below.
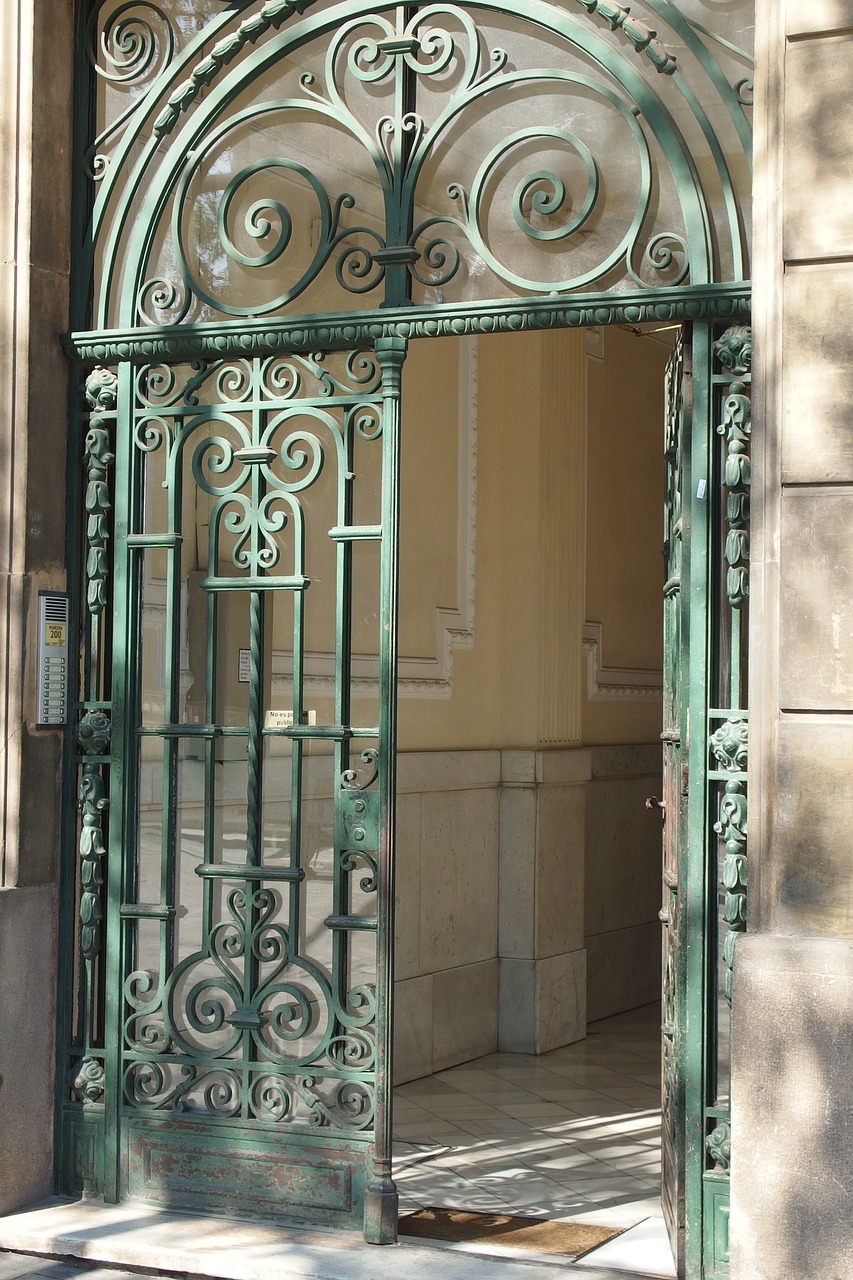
[153,1240]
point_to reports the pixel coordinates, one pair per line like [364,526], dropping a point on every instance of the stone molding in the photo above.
[604,683]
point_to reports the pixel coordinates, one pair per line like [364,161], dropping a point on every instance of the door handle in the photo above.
[654,803]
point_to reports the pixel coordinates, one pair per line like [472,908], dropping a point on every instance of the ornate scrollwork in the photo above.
[734,349]
[737,429]
[730,745]
[553,204]
[101,392]
[88,1079]
[94,738]
[642,37]
[718,1144]
[732,827]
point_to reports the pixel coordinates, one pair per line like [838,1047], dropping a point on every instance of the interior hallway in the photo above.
[574,1133]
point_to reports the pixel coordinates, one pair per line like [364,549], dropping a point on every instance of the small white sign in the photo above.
[243,665]
[284,719]
[279,720]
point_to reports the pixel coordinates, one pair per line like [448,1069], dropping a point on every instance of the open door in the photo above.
[705,747]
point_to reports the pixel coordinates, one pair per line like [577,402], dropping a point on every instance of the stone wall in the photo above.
[623,893]
[792,1130]
[35,169]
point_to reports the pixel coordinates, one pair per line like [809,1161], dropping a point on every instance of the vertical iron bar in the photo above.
[399,215]
[122,842]
[381,1200]
[341,941]
[698,457]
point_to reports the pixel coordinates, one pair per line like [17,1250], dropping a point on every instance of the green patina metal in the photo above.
[237,1047]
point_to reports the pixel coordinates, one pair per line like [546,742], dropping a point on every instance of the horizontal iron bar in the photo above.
[329,732]
[728,713]
[261,1067]
[345,330]
[146,911]
[405,44]
[244,871]
[255,456]
[180,731]
[255,584]
[365,924]
[154,539]
[355,532]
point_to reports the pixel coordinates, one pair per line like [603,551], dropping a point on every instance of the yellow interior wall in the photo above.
[494,698]
[624,566]
[495,685]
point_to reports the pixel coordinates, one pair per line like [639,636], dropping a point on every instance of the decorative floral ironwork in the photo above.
[734,349]
[88,1079]
[642,37]
[719,1145]
[250,1025]
[737,429]
[732,827]
[94,738]
[101,391]
[730,745]
[222,228]
[339,331]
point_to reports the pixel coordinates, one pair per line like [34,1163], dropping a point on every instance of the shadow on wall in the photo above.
[792,1121]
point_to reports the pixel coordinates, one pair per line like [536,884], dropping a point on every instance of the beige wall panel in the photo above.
[27,962]
[413,1029]
[625,497]
[561,1001]
[408,886]
[623,970]
[465,1014]
[792,1110]
[818,183]
[459,879]
[517,871]
[560,870]
[623,842]
[624,528]
[816,616]
[810,881]
[817,352]
[805,16]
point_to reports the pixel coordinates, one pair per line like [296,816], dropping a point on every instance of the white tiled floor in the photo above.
[570,1134]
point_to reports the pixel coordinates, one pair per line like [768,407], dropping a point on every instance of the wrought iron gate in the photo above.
[705,742]
[249,796]
[259,181]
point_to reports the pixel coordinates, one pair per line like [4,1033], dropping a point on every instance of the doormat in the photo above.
[542,1235]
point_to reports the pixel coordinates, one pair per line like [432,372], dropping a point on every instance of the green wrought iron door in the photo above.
[675,790]
[241,1059]
[257,181]
[706,552]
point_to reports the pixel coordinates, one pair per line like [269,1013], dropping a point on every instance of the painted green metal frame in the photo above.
[98,340]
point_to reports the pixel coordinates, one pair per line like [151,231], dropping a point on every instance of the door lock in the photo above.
[654,803]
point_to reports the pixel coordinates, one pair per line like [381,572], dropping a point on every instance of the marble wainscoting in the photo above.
[623,879]
[447,968]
